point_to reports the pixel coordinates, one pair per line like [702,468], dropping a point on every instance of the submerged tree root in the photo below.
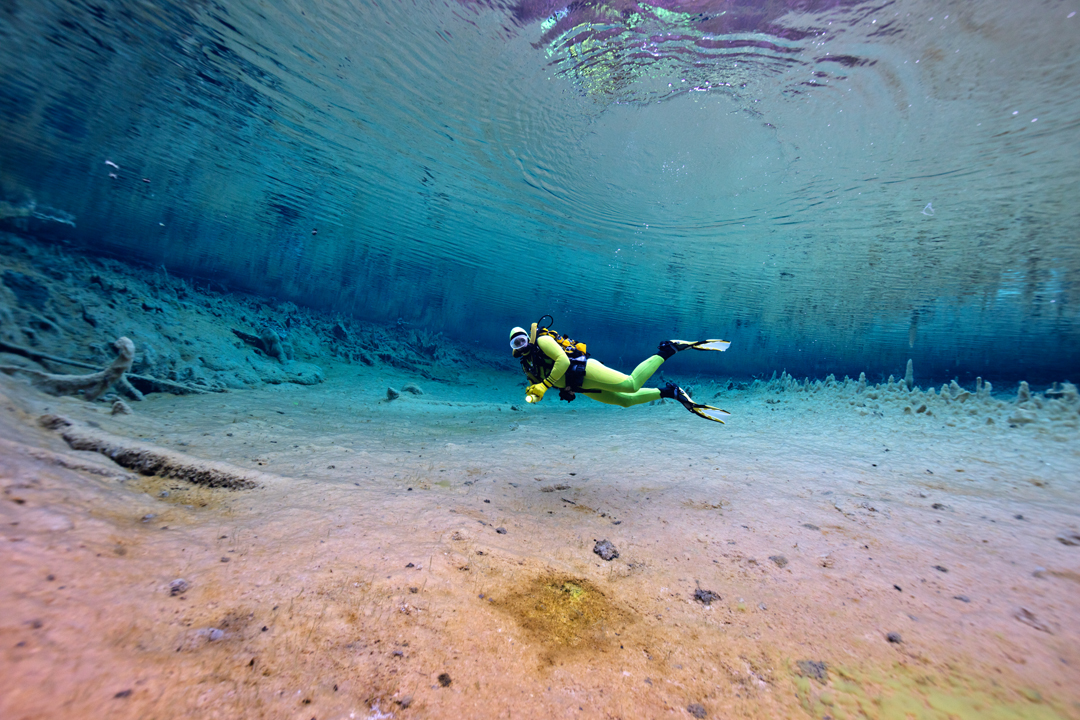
[122,383]
[149,459]
[92,386]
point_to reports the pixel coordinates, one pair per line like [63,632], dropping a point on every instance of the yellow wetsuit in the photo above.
[608,386]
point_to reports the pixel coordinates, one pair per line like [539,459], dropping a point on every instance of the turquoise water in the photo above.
[832,186]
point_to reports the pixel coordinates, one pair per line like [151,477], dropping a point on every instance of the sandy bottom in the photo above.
[433,557]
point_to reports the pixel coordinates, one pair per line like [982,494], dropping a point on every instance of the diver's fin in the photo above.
[717,345]
[674,392]
[709,412]
[669,347]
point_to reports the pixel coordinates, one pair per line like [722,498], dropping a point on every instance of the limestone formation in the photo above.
[1023,395]
[1055,411]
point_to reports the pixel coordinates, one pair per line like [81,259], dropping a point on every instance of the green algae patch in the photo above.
[564,614]
[903,693]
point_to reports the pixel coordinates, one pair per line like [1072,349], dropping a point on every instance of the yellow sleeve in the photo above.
[553,351]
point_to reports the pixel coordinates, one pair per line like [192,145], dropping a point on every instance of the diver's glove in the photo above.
[535,393]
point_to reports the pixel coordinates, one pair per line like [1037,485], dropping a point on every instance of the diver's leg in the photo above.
[645,369]
[600,377]
[625,399]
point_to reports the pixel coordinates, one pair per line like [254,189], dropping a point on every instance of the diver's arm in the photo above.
[551,348]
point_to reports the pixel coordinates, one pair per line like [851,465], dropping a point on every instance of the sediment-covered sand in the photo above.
[390,543]
[320,551]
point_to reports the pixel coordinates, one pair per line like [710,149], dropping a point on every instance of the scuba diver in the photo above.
[553,360]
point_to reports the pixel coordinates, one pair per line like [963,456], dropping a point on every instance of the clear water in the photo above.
[833,186]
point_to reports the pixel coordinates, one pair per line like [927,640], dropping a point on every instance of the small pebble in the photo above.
[178,586]
[697,710]
[780,560]
[605,550]
[410,565]
[705,597]
[216,634]
[224,559]
[500,530]
[405,701]
[894,637]
[123,694]
[444,679]
[941,569]
[148,517]
[962,598]
[163,493]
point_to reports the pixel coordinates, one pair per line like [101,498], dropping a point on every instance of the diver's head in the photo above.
[519,341]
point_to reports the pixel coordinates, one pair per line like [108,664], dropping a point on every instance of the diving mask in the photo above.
[519,341]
